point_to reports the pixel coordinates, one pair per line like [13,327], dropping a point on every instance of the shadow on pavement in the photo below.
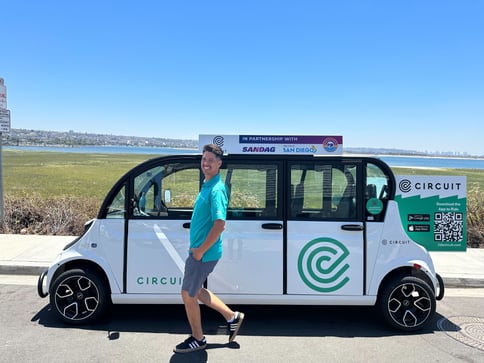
[266,320]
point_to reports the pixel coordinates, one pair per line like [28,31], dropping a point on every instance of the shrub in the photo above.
[62,216]
[475,218]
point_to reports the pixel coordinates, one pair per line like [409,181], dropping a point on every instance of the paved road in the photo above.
[270,334]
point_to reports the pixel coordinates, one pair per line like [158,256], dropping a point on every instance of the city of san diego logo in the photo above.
[321,265]
[330,144]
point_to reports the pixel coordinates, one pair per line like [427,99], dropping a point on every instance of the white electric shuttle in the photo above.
[301,230]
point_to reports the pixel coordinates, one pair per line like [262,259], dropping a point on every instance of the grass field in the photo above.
[51,174]
[55,193]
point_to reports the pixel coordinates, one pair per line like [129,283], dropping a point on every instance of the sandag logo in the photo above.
[259,149]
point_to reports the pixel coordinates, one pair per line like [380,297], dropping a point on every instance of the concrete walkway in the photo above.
[31,254]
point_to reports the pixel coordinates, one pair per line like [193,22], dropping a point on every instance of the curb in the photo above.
[36,269]
[12,269]
[462,283]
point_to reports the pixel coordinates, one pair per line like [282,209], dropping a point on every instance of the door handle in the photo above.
[186,225]
[272,226]
[352,227]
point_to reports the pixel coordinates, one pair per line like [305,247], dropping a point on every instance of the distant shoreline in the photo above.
[73,139]
[434,156]
[393,160]
[184,148]
[377,155]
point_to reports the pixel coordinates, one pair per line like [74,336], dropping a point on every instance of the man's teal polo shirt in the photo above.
[210,205]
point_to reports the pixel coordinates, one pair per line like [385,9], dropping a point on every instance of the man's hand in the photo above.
[213,235]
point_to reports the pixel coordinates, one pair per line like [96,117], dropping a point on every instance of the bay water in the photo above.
[392,160]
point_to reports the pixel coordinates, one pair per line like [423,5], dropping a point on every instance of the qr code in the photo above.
[448,227]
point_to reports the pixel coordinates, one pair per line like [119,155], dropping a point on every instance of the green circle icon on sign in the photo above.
[322,266]
[374,206]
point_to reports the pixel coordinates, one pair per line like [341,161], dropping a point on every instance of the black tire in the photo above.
[79,296]
[441,288]
[40,284]
[407,303]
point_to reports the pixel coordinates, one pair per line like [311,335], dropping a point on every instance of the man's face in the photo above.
[210,165]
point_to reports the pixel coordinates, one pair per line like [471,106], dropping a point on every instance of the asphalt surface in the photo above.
[31,254]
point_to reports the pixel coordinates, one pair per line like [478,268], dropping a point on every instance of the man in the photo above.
[206,227]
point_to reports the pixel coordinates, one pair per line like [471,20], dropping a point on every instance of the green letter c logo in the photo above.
[321,265]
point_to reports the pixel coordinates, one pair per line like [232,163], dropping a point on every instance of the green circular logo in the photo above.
[321,265]
[374,206]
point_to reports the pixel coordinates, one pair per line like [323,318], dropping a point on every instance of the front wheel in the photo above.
[78,296]
[407,303]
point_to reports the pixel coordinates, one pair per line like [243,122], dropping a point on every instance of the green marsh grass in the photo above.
[52,174]
[38,181]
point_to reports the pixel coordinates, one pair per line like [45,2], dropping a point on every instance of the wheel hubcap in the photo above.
[76,298]
[409,305]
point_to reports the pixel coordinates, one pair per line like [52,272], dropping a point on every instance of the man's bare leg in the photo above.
[212,301]
[192,309]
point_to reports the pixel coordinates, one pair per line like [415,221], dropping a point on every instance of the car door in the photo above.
[325,230]
[158,230]
[253,247]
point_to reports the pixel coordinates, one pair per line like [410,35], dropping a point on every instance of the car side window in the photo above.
[376,194]
[117,209]
[253,190]
[166,191]
[320,191]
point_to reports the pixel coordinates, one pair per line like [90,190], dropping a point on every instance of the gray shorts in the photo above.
[196,272]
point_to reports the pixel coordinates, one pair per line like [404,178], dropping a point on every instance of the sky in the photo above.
[406,74]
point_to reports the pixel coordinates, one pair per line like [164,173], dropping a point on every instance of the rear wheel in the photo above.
[78,296]
[407,303]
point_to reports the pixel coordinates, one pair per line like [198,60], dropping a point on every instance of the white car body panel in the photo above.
[306,262]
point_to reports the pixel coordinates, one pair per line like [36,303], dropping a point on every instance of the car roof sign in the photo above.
[275,144]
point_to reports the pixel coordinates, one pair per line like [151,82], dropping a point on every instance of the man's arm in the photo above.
[213,235]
